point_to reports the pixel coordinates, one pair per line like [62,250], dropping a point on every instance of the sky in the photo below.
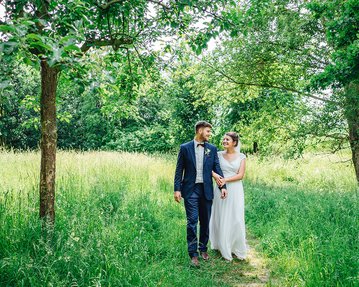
[2,11]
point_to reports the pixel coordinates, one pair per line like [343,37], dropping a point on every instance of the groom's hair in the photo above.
[202,124]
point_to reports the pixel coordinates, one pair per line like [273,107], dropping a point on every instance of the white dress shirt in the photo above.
[199,152]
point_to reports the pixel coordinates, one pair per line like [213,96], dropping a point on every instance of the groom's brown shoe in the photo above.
[205,256]
[194,261]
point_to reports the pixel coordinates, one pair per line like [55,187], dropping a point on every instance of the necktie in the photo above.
[200,144]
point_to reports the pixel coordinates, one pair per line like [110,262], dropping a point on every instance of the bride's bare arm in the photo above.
[215,175]
[219,180]
[240,173]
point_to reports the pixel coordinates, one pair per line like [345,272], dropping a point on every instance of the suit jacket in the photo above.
[185,175]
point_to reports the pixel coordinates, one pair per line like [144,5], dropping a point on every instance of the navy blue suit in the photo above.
[197,197]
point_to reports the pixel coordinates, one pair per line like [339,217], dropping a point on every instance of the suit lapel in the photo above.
[204,153]
[191,150]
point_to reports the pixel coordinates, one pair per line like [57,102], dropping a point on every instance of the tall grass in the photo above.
[314,172]
[116,225]
[305,213]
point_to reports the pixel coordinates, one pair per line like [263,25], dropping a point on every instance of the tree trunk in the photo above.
[255,147]
[352,115]
[49,77]
[2,138]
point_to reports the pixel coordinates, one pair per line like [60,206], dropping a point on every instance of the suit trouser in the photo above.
[197,206]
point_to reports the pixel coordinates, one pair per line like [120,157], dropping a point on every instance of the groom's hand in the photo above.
[178,196]
[224,193]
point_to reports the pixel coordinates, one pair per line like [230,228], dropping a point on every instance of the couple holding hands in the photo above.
[220,209]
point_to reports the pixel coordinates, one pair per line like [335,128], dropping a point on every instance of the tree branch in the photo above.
[115,43]
[160,3]
[268,85]
[129,62]
[109,26]
[108,4]
[143,63]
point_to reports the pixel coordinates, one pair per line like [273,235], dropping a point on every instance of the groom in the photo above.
[193,182]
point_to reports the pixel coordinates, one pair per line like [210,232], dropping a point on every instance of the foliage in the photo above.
[19,107]
[340,20]
[284,75]
[60,31]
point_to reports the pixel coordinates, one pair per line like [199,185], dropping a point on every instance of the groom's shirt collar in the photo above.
[196,143]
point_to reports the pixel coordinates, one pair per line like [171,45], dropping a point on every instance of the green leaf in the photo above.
[67,39]
[28,23]
[9,46]
[41,21]
[7,28]
[41,45]
[33,36]
[72,47]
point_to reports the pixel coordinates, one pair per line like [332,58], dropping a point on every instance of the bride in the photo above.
[227,227]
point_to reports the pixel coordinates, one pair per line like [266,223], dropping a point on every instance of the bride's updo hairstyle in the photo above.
[234,137]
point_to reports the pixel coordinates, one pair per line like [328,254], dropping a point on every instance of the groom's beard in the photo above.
[204,139]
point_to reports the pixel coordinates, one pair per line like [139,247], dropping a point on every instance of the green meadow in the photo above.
[118,225]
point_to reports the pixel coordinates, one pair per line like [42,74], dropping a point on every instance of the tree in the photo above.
[307,48]
[58,33]
[340,20]
[187,91]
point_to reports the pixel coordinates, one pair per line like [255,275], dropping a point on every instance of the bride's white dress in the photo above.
[227,228]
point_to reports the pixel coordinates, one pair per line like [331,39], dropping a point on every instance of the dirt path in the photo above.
[252,272]
[256,271]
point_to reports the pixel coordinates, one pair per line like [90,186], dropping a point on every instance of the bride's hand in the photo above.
[221,181]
